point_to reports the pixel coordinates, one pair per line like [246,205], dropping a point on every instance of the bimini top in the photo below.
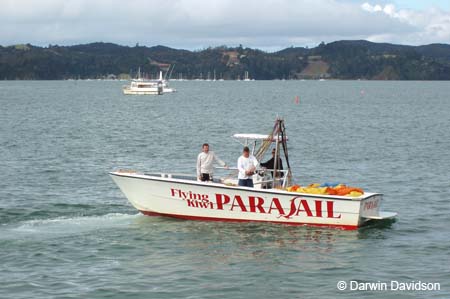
[251,136]
[254,137]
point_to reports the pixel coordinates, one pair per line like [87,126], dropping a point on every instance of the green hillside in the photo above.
[336,60]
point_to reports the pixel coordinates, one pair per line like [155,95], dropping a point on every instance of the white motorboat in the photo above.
[273,199]
[141,86]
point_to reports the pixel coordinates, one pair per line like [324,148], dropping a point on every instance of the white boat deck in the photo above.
[219,182]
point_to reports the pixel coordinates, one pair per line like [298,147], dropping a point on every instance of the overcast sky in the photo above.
[193,24]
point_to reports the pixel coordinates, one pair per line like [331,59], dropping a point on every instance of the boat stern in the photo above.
[370,209]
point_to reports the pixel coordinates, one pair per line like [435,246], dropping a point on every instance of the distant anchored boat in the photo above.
[273,199]
[246,77]
[141,86]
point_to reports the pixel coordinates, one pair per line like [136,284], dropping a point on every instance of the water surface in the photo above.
[66,231]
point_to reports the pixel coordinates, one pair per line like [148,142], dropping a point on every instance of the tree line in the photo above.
[336,60]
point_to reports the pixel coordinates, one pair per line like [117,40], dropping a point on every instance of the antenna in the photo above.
[170,74]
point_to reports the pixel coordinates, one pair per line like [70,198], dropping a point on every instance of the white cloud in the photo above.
[371,8]
[431,25]
[267,24]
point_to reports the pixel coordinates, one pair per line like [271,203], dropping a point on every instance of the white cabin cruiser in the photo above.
[273,199]
[141,86]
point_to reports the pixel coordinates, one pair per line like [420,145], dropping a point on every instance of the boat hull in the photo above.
[188,199]
[142,92]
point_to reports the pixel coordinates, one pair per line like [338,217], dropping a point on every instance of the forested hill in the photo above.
[336,60]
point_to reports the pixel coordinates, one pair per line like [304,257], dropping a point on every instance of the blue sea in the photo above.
[66,230]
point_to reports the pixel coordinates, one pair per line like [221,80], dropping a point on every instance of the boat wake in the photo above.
[61,226]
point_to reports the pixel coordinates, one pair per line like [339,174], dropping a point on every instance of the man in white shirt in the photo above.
[247,166]
[205,162]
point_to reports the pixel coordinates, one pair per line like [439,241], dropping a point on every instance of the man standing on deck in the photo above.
[247,166]
[270,164]
[205,162]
